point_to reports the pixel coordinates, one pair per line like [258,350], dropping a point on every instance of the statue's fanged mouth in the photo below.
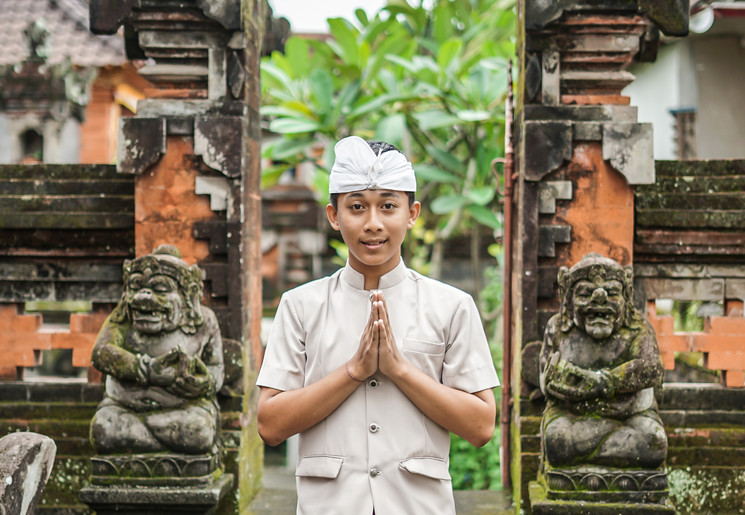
[142,315]
[599,316]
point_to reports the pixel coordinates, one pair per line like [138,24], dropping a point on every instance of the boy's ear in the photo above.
[331,214]
[414,212]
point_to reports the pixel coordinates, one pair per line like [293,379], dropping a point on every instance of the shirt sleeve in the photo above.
[283,367]
[468,364]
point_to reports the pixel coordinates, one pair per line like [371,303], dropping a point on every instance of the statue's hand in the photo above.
[569,382]
[194,380]
[164,369]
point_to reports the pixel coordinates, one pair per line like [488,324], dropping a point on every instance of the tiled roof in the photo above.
[67,22]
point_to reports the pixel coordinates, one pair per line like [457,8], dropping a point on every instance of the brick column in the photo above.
[580,151]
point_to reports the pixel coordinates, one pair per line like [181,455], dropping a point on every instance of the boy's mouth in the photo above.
[374,243]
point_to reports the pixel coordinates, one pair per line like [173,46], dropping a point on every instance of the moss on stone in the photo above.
[707,490]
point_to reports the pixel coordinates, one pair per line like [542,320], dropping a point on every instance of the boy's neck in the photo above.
[372,275]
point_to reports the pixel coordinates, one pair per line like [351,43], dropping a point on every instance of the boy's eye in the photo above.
[389,205]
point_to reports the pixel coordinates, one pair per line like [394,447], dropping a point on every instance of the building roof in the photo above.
[67,23]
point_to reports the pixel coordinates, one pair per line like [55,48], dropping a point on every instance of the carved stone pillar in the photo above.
[194,149]
[580,151]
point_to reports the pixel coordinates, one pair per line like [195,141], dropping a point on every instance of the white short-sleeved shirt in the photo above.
[377,449]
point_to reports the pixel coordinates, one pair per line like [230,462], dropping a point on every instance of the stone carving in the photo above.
[161,352]
[599,365]
[26,461]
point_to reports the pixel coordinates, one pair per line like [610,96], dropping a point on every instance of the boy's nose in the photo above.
[373,222]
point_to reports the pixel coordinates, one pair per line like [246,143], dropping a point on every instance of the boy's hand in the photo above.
[364,363]
[390,360]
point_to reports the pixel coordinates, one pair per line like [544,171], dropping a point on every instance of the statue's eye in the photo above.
[160,288]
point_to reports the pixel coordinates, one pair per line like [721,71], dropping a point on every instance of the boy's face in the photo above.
[373,224]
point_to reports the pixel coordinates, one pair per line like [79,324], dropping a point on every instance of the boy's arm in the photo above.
[472,416]
[285,413]
[282,414]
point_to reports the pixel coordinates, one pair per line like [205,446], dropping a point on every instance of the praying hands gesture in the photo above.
[377,349]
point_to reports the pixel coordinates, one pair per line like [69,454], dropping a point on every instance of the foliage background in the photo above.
[433,82]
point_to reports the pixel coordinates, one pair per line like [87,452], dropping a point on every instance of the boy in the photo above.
[374,365]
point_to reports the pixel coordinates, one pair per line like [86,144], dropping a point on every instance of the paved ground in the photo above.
[278,497]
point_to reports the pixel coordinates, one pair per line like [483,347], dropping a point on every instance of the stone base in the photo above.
[156,469]
[604,484]
[540,504]
[125,499]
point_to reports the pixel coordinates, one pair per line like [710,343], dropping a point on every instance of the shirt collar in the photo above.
[357,280]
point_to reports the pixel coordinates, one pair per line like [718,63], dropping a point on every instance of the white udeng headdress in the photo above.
[357,167]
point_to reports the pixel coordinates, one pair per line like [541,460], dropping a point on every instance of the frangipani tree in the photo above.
[430,81]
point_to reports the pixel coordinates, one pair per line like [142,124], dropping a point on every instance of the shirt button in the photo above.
[374,472]
[374,383]
[374,428]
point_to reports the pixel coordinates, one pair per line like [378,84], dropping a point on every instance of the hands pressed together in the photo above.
[377,349]
[181,374]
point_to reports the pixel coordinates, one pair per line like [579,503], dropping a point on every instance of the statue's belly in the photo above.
[141,398]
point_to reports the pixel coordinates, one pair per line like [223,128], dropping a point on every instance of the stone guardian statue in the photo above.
[599,364]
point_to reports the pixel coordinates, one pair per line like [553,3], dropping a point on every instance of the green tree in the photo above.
[430,81]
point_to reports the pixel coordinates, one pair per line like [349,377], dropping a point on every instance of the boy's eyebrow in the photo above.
[357,194]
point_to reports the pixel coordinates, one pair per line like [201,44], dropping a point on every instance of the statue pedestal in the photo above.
[595,491]
[156,484]
[156,500]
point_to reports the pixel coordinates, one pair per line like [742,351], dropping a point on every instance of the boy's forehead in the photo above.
[372,193]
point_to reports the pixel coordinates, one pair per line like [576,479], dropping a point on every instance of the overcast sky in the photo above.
[310,16]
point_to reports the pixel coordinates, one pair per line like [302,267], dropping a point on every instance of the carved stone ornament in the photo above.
[602,438]
[670,16]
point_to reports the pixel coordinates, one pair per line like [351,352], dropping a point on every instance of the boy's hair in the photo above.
[378,147]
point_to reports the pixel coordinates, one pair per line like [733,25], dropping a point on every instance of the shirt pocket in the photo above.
[435,468]
[327,467]
[426,356]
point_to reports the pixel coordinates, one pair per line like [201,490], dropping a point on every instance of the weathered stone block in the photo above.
[26,461]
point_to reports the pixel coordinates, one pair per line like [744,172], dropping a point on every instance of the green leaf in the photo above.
[293,126]
[442,17]
[361,15]
[287,148]
[392,129]
[271,174]
[406,64]
[470,115]
[435,119]
[448,51]
[345,35]
[446,204]
[445,159]
[434,174]
[321,87]
[373,105]
[484,216]
[282,111]
[481,196]
[296,53]
[344,101]
[271,70]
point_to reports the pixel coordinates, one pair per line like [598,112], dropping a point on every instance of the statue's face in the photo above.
[598,306]
[154,302]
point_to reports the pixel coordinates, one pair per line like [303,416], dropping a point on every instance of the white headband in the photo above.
[357,167]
